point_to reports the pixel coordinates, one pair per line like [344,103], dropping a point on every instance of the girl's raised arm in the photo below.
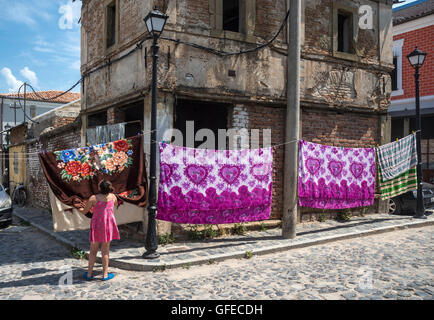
[89,204]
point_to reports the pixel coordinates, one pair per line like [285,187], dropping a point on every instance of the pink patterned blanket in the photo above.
[200,186]
[335,177]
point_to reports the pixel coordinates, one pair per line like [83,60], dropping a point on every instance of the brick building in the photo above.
[53,130]
[345,71]
[413,25]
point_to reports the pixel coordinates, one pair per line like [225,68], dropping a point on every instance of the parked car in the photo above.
[407,202]
[5,207]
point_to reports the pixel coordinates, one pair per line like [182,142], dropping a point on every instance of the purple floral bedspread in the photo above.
[200,186]
[334,177]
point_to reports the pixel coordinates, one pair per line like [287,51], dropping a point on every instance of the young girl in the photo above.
[103,228]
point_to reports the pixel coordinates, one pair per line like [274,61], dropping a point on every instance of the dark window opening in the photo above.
[206,115]
[394,74]
[345,32]
[427,126]
[97,119]
[397,129]
[111,24]
[133,116]
[231,15]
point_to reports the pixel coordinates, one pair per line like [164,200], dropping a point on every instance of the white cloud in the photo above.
[30,75]
[71,13]
[22,11]
[11,81]
[76,65]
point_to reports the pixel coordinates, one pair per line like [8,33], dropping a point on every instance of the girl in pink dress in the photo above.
[103,228]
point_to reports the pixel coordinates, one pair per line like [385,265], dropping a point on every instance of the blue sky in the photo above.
[40,44]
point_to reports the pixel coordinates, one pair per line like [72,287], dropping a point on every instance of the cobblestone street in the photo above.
[394,265]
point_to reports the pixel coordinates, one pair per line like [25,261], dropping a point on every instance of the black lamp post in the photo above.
[155,22]
[416,59]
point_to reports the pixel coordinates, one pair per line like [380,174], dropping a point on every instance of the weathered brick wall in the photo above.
[269,17]
[347,129]
[265,117]
[58,139]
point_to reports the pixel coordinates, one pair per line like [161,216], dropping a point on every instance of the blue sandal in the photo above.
[109,276]
[86,277]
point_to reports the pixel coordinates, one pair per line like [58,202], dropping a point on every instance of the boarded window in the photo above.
[345,32]
[111,24]
[231,15]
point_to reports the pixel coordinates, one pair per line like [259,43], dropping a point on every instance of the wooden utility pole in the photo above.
[25,95]
[290,180]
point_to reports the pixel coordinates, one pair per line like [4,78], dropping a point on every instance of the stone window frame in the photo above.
[247,16]
[107,3]
[353,10]
[397,52]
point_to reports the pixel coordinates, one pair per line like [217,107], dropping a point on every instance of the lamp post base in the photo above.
[150,255]
[420,216]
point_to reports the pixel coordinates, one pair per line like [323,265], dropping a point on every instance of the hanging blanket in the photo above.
[406,181]
[335,177]
[73,175]
[200,186]
[68,218]
[397,157]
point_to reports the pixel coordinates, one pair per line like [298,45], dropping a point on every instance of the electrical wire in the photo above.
[139,46]
[224,53]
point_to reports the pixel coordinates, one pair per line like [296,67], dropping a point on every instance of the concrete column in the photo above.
[290,180]
[385,137]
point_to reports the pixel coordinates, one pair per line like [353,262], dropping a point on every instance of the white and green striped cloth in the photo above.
[397,157]
[406,181]
[397,171]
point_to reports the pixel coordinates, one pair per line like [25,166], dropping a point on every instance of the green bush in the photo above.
[239,229]
[165,239]
[344,215]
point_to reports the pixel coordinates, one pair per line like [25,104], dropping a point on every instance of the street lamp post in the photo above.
[155,22]
[416,59]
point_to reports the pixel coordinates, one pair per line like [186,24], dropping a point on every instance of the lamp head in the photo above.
[155,22]
[416,58]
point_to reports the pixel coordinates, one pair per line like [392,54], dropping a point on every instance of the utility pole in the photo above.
[292,127]
[25,95]
[15,113]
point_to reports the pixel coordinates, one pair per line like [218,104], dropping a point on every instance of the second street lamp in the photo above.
[155,22]
[416,59]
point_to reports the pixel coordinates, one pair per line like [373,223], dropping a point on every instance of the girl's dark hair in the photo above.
[105,187]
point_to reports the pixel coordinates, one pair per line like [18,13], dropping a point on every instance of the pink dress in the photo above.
[103,226]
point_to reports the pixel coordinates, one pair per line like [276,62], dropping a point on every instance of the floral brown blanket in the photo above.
[74,174]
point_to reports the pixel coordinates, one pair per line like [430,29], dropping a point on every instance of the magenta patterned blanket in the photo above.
[200,186]
[335,177]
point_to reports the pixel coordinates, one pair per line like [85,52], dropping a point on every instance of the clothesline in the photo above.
[35,154]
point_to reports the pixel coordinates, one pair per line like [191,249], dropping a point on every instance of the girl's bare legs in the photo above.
[94,246]
[105,247]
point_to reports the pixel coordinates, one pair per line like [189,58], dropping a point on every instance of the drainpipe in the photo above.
[292,126]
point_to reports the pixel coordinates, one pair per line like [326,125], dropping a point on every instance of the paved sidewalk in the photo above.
[126,254]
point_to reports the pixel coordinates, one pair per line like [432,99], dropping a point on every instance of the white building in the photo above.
[12,106]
